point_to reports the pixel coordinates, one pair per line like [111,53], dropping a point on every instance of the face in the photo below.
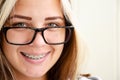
[34,60]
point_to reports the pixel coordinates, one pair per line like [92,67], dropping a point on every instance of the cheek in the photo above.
[10,51]
[58,51]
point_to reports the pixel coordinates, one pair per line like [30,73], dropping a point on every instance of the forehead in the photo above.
[37,2]
[39,5]
[35,7]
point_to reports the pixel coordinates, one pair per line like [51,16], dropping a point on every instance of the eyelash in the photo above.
[18,24]
[23,24]
[52,24]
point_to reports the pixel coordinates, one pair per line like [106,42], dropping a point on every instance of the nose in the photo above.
[38,41]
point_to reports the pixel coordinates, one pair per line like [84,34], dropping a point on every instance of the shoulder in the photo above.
[89,78]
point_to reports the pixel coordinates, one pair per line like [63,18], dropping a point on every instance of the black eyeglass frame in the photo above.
[70,28]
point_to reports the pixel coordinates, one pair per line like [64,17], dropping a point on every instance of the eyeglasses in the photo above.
[26,35]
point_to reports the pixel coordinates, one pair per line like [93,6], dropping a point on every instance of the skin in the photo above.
[39,13]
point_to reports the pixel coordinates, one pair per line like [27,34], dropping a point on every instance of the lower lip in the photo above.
[32,61]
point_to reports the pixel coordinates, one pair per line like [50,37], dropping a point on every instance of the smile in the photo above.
[34,57]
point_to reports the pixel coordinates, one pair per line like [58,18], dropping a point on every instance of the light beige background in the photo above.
[100,28]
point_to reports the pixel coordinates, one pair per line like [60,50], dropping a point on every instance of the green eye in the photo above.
[52,25]
[20,24]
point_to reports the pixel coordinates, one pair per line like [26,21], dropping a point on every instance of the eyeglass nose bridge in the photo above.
[37,30]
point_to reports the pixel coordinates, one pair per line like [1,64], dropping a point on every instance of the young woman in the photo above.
[38,40]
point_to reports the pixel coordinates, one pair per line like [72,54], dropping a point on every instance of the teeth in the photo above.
[34,57]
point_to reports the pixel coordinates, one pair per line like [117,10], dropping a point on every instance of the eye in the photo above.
[53,25]
[19,24]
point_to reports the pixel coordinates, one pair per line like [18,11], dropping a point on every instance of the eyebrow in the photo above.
[30,18]
[20,16]
[54,18]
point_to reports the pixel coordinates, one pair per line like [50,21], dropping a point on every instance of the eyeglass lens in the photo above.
[26,35]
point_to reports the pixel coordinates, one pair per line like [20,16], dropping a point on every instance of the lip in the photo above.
[35,61]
